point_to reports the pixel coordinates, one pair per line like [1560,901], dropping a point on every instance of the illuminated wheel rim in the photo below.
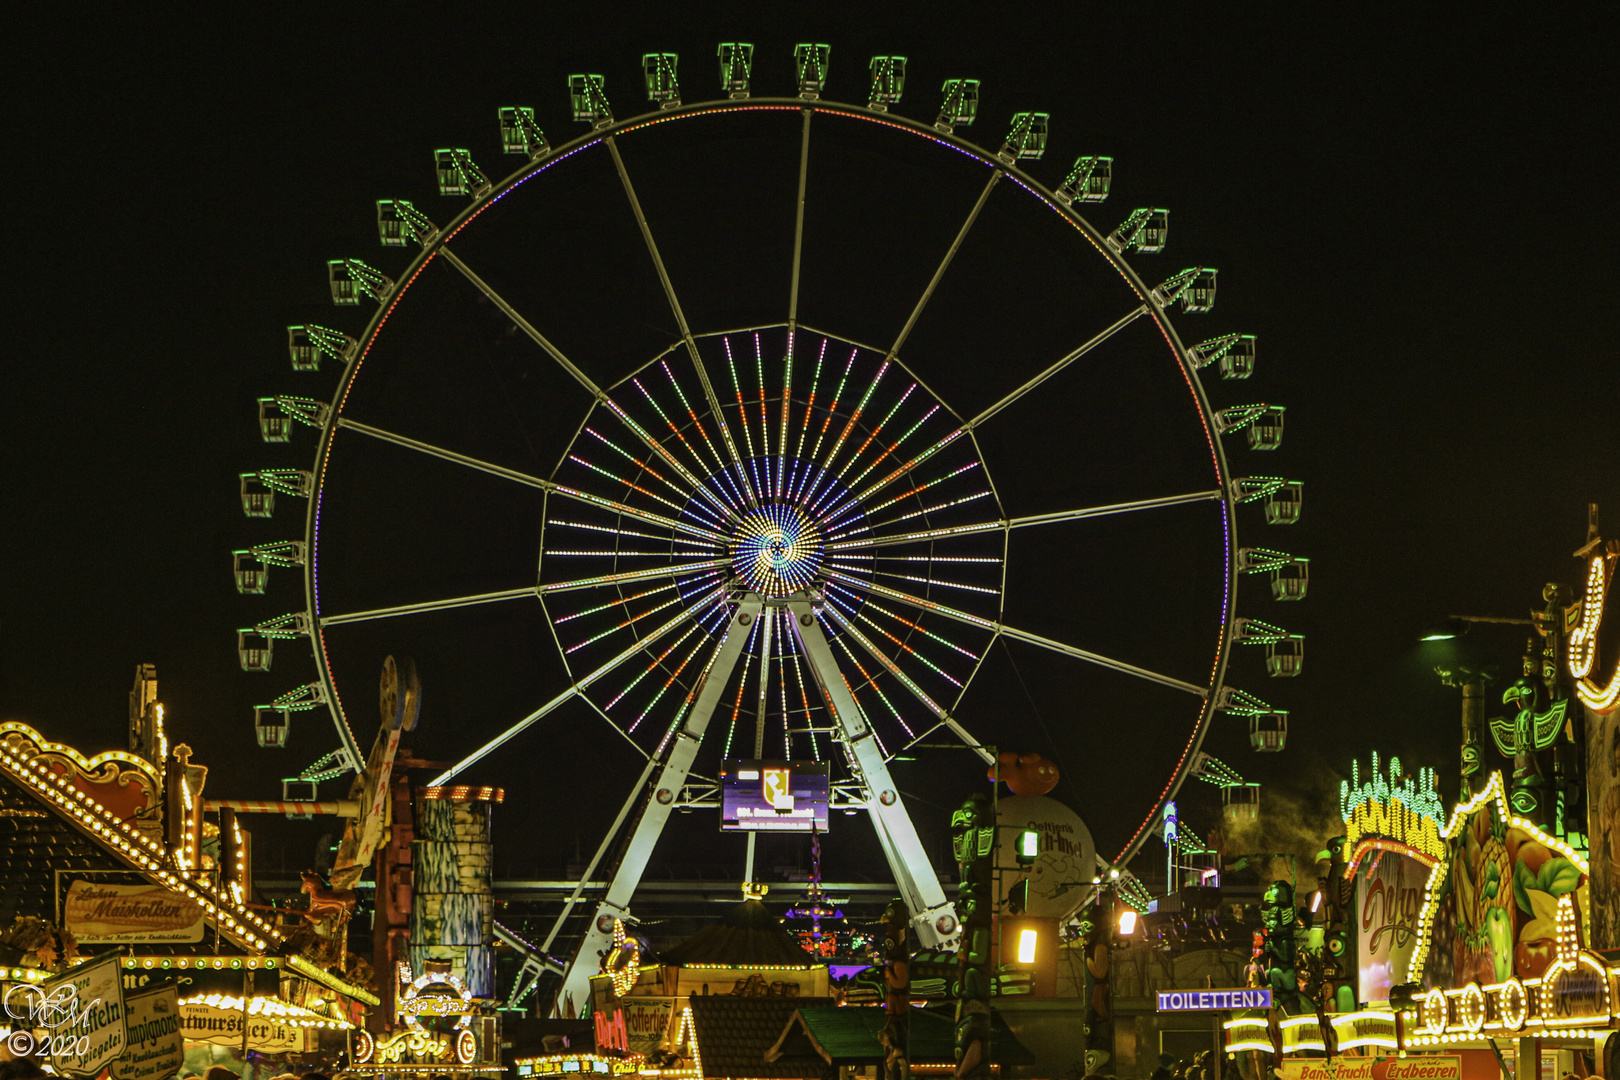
[778,459]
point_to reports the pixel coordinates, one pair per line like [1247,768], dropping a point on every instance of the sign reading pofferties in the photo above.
[1213,1000]
[100,914]
[154,1049]
[1427,1067]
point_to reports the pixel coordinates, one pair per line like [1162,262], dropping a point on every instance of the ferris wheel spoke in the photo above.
[529,481]
[798,226]
[522,324]
[584,380]
[728,511]
[939,273]
[891,539]
[683,570]
[675,307]
[1023,635]
[579,686]
[428,605]
[887,664]
[1057,367]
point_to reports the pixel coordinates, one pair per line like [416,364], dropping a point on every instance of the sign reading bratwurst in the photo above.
[100,914]
[1429,1067]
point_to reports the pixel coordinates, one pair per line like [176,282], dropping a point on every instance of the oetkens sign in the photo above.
[1213,1000]
[1435,1067]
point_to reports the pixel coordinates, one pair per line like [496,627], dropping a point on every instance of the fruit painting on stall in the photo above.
[1494,900]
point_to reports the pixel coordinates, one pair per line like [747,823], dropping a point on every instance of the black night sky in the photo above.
[1411,207]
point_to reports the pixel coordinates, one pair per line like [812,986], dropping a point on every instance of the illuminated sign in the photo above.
[1583,641]
[98,914]
[1389,897]
[559,1064]
[611,1034]
[437,993]
[1398,814]
[1426,1067]
[623,963]
[1213,1000]
[774,796]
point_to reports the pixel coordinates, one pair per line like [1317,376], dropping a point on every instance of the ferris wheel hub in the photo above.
[776,549]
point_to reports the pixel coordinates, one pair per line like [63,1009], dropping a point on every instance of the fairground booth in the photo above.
[128,940]
[1479,939]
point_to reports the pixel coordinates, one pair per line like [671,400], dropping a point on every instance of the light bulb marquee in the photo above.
[1575,992]
[1400,815]
[415,1047]
[623,963]
[66,781]
[1494,791]
[1582,658]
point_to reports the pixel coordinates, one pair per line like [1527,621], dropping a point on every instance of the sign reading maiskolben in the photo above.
[97,1024]
[100,914]
[154,1047]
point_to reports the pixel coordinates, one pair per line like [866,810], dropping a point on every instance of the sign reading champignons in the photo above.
[1213,1000]
[154,1048]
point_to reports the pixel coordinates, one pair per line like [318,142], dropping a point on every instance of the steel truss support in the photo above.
[933,916]
[659,800]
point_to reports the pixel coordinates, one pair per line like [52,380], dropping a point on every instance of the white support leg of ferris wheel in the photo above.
[656,805]
[933,916]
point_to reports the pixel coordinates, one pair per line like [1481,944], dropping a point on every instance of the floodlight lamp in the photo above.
[1127,923]
[1113,873]
[1316,901]
[1026,946]
[1029,847]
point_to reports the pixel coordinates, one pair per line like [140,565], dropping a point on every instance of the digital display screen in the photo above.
[774,796]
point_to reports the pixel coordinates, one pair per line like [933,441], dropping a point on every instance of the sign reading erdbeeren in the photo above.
[1213,1000]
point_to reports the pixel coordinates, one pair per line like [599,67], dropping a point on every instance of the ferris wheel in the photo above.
[791,538]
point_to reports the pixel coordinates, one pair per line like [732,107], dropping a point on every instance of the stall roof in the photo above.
[849,1036]
[89,822]
[733,1033]
[749,935]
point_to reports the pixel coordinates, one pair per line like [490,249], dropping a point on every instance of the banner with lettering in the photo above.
[201,1022]
[153,1047]
[1425,1067]
[646,1024]
[91,999]
[141,914]
[1389,896]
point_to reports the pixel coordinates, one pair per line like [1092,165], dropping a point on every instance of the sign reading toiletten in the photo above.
[1213,1000]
